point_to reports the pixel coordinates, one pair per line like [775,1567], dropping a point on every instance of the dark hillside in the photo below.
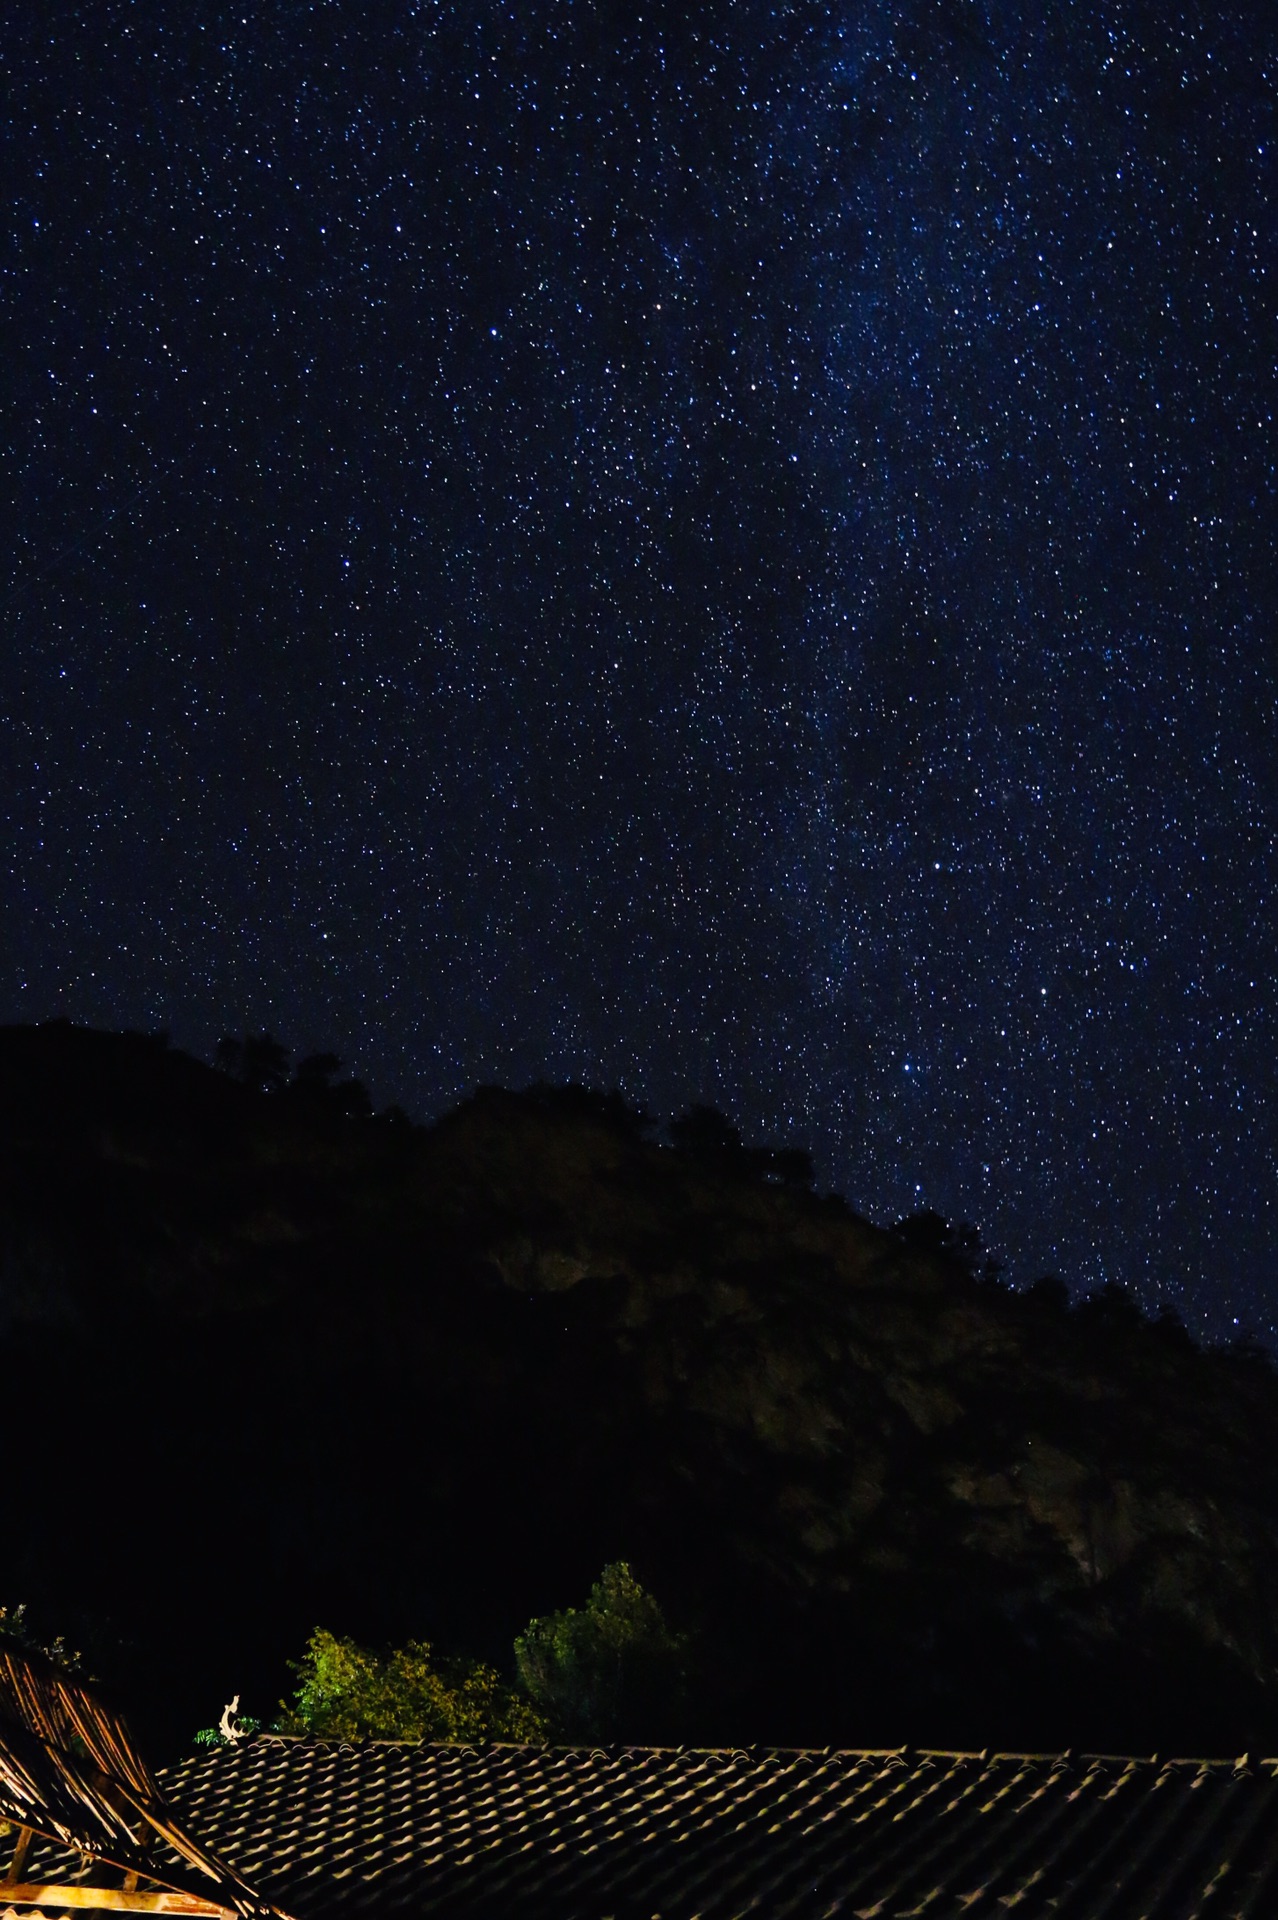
[270,1363]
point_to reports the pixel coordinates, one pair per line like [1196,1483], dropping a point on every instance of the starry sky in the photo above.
[725,550]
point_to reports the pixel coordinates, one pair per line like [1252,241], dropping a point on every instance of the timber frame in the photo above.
[129,1898]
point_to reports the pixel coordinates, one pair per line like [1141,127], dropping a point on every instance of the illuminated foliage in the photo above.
[347,1692]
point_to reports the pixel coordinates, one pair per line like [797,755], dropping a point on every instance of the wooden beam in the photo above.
[21,1848]
[113,1898]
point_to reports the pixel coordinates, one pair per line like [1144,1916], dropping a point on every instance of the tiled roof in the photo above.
[331,1832]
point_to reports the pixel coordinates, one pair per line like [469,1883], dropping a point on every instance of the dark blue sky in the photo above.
[723,550]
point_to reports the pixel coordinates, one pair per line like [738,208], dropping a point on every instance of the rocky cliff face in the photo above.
[429,1380]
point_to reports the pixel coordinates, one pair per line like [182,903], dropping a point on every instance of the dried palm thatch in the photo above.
[70,1773]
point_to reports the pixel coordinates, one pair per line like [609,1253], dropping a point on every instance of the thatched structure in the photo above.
[71,1774]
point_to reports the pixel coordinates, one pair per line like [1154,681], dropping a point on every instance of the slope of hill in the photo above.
[269,1363]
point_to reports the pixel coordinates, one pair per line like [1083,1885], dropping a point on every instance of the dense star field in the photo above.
[722,550]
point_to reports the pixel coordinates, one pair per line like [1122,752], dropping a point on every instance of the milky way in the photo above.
[720,550]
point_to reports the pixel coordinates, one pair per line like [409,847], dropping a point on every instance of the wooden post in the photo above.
[19,1860]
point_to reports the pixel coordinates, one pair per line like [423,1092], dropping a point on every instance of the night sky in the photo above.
[722,550]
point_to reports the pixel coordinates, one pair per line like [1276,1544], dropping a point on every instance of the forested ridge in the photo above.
[275,1360]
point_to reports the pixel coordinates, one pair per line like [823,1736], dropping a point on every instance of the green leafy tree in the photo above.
[347,1692]
[612,1669]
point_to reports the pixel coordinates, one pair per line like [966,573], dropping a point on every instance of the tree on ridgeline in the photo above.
[706,1135]
[257,1059]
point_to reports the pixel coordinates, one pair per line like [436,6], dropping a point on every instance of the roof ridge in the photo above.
[987,1756]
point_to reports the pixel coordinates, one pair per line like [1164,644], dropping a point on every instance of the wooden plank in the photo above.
[116,1899]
